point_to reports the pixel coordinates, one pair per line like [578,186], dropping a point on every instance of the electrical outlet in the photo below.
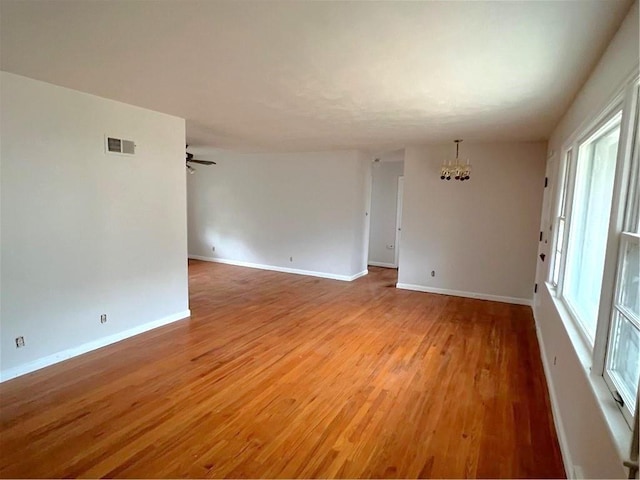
[213,249]
[433,273]
[103,318]
[19,342]
[291,259]
[555,359]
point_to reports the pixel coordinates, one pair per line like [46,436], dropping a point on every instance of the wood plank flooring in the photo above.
[278,376]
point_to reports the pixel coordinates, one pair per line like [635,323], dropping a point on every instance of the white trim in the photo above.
[88,347]
[555,407]
[399,203]
[382,264]
[367,214]
[297,271]
[459,293]
[358,275]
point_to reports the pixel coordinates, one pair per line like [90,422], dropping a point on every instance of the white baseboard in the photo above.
[382,264]
[297,271]
[458,293]
[358,275]
[555,409]
[88,347]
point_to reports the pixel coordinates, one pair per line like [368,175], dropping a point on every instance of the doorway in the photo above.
[387,191]
[399,197]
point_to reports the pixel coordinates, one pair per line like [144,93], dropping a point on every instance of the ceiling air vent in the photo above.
[119,146]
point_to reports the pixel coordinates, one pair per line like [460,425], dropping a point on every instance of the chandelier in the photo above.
[455,169]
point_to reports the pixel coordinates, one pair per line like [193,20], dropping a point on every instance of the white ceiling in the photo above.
[321,75]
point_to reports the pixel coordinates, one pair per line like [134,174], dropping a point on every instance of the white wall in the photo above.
[383,209]
[263,209]
[85,233]
[587,440]
[480,236]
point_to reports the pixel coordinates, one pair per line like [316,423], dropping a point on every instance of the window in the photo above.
[593,191]
[561,219]
[622,368]
[595,263]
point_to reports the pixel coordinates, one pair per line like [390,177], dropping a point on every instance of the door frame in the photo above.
[399,201]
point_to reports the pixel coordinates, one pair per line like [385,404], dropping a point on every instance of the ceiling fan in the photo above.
[190,159]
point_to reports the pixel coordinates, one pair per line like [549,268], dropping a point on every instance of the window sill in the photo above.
[619,430]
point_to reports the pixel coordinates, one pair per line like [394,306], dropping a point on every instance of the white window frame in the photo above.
[625,190]
[613,111]
[627,231]
[629,316]
[561,214]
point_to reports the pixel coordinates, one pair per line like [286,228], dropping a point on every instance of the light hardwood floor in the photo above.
[279,375]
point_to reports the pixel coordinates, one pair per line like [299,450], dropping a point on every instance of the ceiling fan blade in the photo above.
[202,162]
